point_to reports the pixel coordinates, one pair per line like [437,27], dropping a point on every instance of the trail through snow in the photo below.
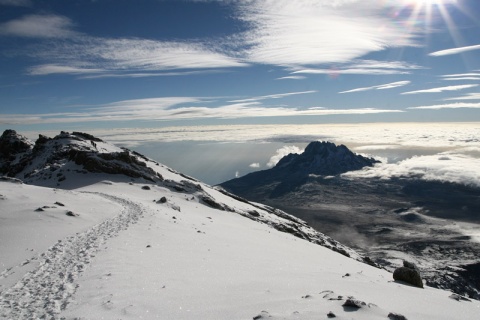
[45,291]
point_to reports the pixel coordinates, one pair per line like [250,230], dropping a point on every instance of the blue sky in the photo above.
[118,63]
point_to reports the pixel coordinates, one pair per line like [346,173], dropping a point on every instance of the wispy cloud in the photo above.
[469,96]
[454,51]
[80,54]
[255,165]
[38,26]
[364,67]
[380,87]
[179,108]
[462,77]
[458,105]
[291,34]
[123,56]
[285,32]
[443,89]
[57,69]
[273,96]
[291,78]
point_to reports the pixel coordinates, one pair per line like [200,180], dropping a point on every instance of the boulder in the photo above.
[409,273]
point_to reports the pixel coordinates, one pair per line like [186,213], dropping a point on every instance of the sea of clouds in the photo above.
[431,151]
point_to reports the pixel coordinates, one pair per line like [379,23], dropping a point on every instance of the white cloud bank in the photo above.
[448,167]
[282,152]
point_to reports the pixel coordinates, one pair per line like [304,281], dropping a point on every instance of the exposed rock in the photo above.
[331,315]
[59,204]
[409,273]
[162,200]
[458,297]
[145,188]
[211,202]
[354,303]
[72,214]
[396,316]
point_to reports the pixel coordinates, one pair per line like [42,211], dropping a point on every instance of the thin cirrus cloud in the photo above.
[178,108]
[57,69]
[273,96]
[461,77]
[380,87]
[79,54]
[131,55]
[297,33]
[365,67]
[458,105]
[283,33]
[448,52]
[470,96]
[443,89]
[38,26]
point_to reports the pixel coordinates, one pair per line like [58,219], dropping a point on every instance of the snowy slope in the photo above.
[175,248]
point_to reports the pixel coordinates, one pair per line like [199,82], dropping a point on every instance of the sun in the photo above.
[427,10]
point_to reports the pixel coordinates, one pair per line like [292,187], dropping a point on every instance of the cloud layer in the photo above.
[449,167]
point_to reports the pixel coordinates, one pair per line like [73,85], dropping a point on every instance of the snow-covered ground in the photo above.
[164,246]
[125,256]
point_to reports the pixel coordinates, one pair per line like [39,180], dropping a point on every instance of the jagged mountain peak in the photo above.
[320,158]
[324,158]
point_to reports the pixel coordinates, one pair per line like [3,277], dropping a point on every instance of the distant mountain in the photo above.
[320,158]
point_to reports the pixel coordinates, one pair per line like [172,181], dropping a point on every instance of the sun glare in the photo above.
[427,13]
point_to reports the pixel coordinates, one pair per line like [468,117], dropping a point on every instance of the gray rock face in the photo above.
[409,273]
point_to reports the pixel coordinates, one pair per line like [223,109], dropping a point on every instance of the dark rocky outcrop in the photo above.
[354,303]
[396,316]
[409,273]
